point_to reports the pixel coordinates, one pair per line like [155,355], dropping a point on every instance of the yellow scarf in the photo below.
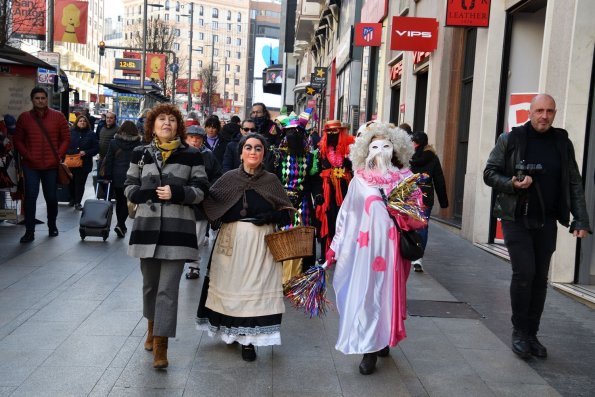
[167,148]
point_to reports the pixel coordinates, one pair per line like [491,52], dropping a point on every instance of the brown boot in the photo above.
[160,352]
[149,341]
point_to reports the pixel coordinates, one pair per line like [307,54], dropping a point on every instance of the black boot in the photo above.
[384,352]
[248,353]
[536,348]
[368,364]
[520,344]
[28,237]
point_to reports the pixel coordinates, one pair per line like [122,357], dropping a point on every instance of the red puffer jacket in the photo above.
[32,144]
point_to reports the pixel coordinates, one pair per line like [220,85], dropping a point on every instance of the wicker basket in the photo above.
[293,243]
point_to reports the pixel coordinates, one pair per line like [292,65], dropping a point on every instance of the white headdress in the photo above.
[402,145]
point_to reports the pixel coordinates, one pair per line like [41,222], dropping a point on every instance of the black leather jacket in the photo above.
[500,168]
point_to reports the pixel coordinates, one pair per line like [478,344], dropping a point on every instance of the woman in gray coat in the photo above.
[166,178]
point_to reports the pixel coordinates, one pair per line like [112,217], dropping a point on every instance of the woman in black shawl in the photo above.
[242,296]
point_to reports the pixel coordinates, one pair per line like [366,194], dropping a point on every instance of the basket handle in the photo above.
[301,222]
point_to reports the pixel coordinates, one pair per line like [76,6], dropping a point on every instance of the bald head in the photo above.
[542,112]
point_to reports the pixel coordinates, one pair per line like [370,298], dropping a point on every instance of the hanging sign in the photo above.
[475,13]
[368,34]
[414,34]
[70,21]
[28,19]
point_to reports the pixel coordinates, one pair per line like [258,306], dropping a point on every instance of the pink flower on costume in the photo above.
[392,233]
[363,239]
[379,264]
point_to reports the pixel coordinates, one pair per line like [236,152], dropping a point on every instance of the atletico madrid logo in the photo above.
[368,34]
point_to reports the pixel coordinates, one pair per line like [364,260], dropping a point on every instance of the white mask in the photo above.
[380,153]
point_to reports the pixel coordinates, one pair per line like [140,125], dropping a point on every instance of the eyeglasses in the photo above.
[249,129]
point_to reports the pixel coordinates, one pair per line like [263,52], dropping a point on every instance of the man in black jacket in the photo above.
[425,160]
[534,172]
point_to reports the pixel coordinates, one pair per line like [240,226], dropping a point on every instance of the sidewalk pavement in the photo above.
[71,325]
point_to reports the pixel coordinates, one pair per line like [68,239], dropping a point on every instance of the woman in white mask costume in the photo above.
[370,275]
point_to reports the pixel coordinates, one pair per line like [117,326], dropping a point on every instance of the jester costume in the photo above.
[297,166]
[336,173]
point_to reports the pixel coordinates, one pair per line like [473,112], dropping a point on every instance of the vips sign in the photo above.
[414,34]
[468,13]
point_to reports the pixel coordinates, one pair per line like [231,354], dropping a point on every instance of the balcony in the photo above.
[307,18]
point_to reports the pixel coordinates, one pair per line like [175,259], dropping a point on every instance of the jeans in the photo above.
[49,186]
[424,232]
[530,252]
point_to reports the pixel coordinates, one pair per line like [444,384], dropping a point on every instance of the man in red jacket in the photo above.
[39,161]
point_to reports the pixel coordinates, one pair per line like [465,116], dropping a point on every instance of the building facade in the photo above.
[220,35]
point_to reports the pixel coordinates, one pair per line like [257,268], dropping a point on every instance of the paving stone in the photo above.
[61,309]
[145,392]
[446,385]
[110,323]
[17,364]
[34,335]
[249,379]
[86,351]
[59,381]
[523,390]
[316,375]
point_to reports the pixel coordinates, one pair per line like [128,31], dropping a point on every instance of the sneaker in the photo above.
[120,231]
[417,266]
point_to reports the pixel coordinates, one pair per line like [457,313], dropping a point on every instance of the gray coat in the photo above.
[165,229]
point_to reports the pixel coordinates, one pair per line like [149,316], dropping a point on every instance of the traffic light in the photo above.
[101,48]
[76,98]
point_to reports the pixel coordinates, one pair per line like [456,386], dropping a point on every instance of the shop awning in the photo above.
[123,89]
[15,56]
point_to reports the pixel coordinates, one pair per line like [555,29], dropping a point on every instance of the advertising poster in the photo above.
[266,53]
[28,19]
[518,110]
[70,21]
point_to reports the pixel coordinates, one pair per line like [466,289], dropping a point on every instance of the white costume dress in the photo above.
[370,275]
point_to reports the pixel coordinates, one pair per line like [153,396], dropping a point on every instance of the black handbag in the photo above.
[410,242]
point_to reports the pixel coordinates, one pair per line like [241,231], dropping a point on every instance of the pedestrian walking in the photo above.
[424,160]
[115,166]
[41,138]
[371,275]
[231,157]
[83,144]
[265,126]
[215,142]
[242,296]
[166,178]
[534,173]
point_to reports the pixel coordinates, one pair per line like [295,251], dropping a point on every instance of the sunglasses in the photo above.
[249,129]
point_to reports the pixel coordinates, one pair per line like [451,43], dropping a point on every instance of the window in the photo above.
[215,38]
[200,64]
[239,17]
[215,25]
[227,80]
[229,15]
[227,54]
[225,94]
[166,17]
[238,41]
[177,32]
[177,6]
[215,65]
[201,36]
[239,27]
[228,40]
[178,18]
[235,97]
[236,82]
[215,13]
[201,10]
[216,52]
[237,68]
[227,68]
[201,22]
[176,46]
[239,55]
[199,49]
[229,27]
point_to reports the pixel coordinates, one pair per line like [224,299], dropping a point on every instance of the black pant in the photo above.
[121,207]
[530,252]
[77,185]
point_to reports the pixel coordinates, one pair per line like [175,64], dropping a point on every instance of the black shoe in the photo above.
[384,352]
[78,207]
[248,353]
[368,364]
[520,344]
[121,232]
[28,237]
[53,231]
[71,204]
[536,348]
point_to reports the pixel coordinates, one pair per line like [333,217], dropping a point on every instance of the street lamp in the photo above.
[191,15]
[144,56]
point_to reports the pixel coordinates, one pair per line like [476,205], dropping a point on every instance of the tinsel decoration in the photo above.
[403,198]
[307,291]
